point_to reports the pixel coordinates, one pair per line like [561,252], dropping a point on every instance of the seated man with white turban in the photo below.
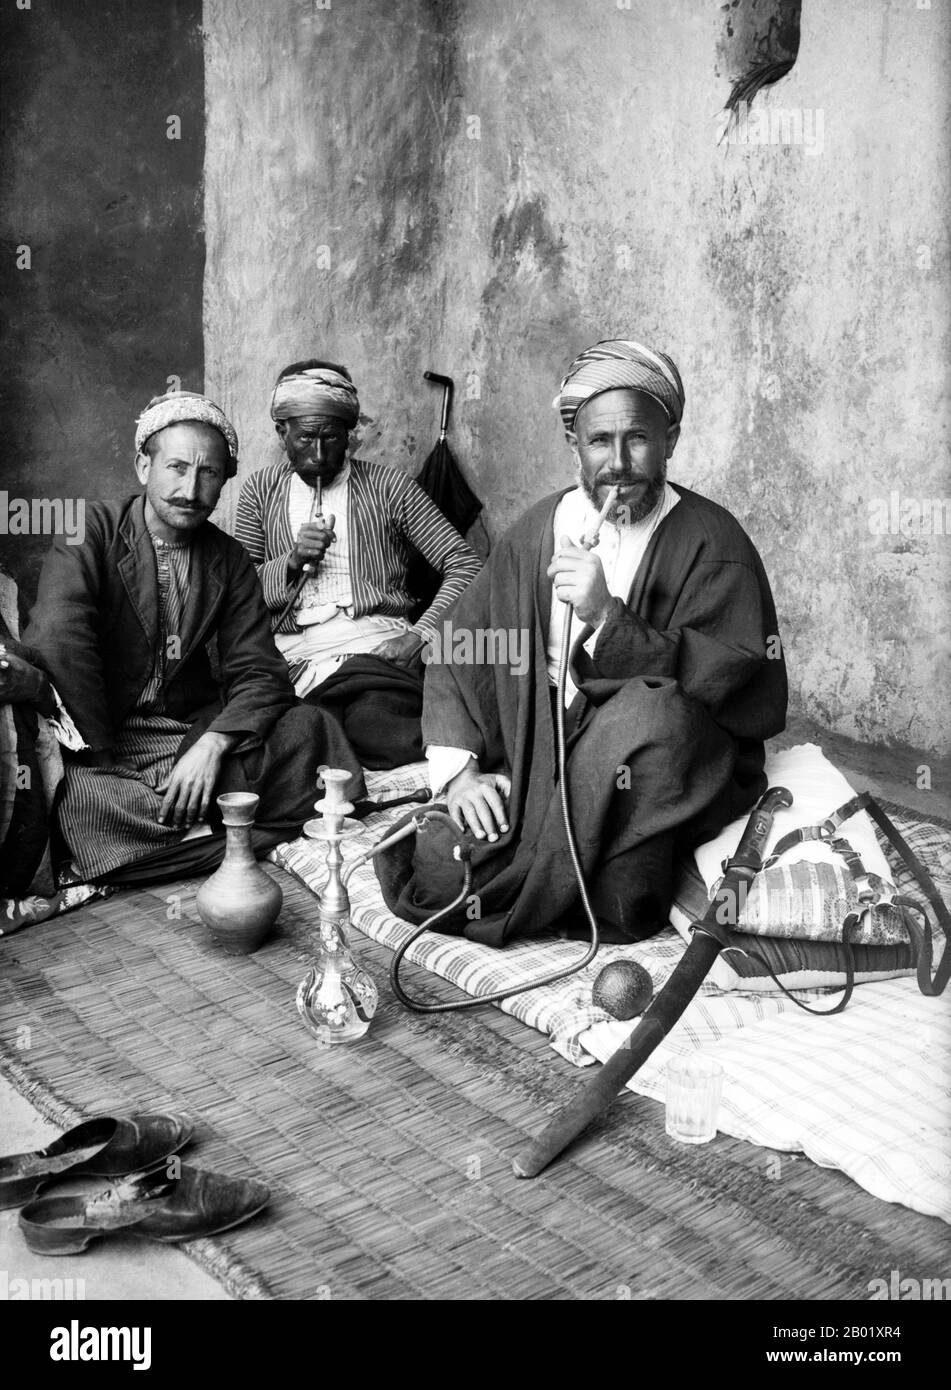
[330,535]
[123,625]
[676,677]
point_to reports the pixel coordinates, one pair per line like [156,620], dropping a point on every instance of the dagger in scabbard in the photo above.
[707,940]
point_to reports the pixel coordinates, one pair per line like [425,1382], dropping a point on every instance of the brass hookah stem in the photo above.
[334,900]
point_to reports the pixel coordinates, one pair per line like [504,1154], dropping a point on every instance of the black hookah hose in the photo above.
[463,853]
[294,596]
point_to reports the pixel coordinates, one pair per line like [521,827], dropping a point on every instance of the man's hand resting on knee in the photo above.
[189,787]
[477,801]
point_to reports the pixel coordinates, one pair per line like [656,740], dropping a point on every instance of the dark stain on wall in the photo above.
[525,228]
[759,37]
[111,210]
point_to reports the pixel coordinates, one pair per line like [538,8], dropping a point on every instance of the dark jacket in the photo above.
[95,626]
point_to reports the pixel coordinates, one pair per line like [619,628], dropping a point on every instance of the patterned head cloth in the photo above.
[315,391]
[618,363]
[179,406]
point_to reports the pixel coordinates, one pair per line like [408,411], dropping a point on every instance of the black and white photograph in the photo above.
[475,737]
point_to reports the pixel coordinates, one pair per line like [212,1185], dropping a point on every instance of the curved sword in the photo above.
[708,940]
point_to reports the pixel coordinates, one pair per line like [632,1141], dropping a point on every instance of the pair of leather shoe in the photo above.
[156,1195]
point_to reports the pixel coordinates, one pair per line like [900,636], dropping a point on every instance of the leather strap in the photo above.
[922,940]
[809,1008]
[825,831]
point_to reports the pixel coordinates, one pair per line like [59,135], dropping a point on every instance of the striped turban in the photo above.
[315,391]
[614,365]
[178,407]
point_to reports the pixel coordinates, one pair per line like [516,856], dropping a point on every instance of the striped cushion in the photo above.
[799,963]
[812,900]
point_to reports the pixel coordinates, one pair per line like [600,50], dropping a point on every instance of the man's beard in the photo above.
[626,512]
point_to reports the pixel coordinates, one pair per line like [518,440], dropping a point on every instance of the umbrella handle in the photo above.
[446,383]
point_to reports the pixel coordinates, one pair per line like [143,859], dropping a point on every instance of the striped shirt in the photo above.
[173,565]
[329,590]
[387,512]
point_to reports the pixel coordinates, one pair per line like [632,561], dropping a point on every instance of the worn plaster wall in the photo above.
[484,187]
[104,305]
[327,131]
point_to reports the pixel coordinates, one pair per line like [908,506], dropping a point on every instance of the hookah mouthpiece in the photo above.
[590,539]
[316,509]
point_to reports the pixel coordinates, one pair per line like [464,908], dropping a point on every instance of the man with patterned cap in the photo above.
[675,678]
[330,535]
[122,626]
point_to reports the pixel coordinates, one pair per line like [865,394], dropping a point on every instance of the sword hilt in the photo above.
[748,857]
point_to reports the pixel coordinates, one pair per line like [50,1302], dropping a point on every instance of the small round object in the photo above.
[623,989]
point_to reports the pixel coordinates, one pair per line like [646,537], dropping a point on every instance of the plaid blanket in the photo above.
[865,1092]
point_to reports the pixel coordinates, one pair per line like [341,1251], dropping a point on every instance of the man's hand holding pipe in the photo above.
[579,580]
[313,538]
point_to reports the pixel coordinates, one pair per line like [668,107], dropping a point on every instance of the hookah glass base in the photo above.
[337,998]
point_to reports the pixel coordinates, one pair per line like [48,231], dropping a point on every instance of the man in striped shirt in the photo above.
[331,538]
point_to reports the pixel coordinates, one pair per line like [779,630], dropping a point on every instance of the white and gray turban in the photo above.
[315,391]
[615,364]
[178,407]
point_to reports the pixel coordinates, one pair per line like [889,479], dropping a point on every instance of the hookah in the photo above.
[332,986]
[337,998]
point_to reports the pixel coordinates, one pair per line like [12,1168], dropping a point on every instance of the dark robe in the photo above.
[378,704]
[24,805]
[665,736]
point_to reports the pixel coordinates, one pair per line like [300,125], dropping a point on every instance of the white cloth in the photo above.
[323,645]
[63,727]
[818,788]
[620,550]
[329,590]
[865,1091]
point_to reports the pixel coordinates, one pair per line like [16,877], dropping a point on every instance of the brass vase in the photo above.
[239,904]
